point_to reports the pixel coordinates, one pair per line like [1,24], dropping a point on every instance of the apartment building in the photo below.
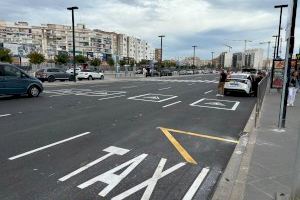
[254,58]
[52,39]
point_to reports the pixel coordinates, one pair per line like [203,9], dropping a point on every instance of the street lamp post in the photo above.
[194,57]
[212,59]
[279,28]
[161,49]
[73,35]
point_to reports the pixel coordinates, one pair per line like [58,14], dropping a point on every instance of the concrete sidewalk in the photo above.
[272,162]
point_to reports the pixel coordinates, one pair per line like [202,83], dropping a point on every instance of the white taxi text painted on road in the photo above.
[113,179]
[112,150]
[151,182]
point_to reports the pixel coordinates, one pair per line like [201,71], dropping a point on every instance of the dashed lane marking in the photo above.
[164,88]
[111,97]
[208,91]
[181,149]
[5,115]
[171,104]
[128,87]
[47,146]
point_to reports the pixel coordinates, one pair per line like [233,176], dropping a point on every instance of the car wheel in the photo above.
[90,78]
[34,91]
[102,77]
[51,79]
[79,79]
[62,80]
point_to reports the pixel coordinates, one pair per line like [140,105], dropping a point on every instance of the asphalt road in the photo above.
[170,137]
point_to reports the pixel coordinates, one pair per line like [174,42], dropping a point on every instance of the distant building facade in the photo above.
[52,39]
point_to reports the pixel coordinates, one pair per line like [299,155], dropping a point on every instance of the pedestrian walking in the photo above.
[222,80]
[293,87]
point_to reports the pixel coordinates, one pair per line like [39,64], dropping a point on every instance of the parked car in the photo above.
[240,82]
[53,74]
[182,72]
[139,71]
[71,71]
[166,72]
[152,73]
[90,75]
[14,81]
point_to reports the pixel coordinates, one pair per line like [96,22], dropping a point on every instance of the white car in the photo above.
[90,75]
[71,70]
[238,83]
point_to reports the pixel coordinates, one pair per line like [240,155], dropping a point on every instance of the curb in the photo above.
[232,183]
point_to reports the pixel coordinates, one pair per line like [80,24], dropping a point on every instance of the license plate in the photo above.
[234,84]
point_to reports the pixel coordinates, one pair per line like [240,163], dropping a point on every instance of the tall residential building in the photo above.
[254,58]
[238,61]
[158,55]
[226,59]
[52,39]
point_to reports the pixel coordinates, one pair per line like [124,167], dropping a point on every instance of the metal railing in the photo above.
[261,90]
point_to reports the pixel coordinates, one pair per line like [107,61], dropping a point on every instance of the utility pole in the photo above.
[194,57]
[279,28]
[73,35]
[161,49]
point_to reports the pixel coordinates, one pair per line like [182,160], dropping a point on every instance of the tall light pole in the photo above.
[268,57]
[212,59]
[194,57]
[161,49]
[73,35]
[279,28]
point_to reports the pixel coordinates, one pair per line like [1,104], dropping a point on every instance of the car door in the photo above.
[63,74]
[13,81]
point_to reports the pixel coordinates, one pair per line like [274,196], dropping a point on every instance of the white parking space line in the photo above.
[5,115]
[112,97]
[171,104]
[47,146]
[208,91]
[128,87]
[193,189]
[98,86]
[164,88]
[192,84]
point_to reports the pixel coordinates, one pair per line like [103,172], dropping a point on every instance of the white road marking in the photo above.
[47,146]
[113,179]
[208,91]
[172,104]
[5,115]
[151,97]
[128,87]
[192,84]
[164,88]
[215,102]
[151,182]
[112,97]
[112,150]
[196,184]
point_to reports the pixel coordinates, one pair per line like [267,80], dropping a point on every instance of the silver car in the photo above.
[53,74]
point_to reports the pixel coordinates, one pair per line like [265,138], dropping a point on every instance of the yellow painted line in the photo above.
[201,135]
[178,146]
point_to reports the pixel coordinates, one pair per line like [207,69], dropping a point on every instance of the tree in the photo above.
[36,58]
[122,62]
[144,62]
[96,62]
[62,59]
[80,59]
[110,62]
[5,56]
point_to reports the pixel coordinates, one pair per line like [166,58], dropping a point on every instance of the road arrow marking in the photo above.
[181,149]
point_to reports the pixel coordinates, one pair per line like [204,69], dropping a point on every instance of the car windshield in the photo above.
[238,76]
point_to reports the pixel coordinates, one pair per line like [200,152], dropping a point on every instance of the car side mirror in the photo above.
[23,75]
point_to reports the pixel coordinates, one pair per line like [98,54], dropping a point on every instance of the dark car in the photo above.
[53,74]
[14,81]
[152,73]
[166,72]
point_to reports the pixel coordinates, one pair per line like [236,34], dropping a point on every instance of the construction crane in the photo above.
[246,41]
[229,47]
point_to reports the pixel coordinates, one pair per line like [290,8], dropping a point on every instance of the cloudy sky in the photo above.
[209,24]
